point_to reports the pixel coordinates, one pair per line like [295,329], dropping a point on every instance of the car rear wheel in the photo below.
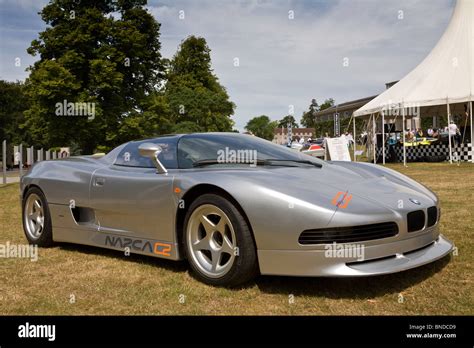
[218,242]
[36,218]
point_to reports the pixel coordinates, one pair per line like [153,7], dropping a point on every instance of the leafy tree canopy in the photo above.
[307,119]
[327,104]
[102,52]
[262,127]
[193,91]
[13,103]
[288,119]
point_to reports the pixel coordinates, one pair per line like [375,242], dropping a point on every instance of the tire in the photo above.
[36,218]
[213,228]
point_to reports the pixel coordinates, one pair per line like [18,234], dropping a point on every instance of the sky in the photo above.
[274,57]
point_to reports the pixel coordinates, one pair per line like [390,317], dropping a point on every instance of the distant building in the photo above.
[281,134]
[346,109]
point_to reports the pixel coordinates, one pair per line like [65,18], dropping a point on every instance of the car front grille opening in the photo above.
[432,216]
[416,220]
[349,234]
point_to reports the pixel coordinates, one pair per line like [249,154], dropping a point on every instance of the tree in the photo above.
[88,55]
[327,104]
[186,127]
[307,119]
[262,127]
[288,119]
[157,115]
[13,103]
[193,92]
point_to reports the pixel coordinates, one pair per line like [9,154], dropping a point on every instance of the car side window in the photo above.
[130,156]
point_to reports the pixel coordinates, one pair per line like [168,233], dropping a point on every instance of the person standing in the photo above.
[453,131]
[430,131]
[350,139]
[409,137]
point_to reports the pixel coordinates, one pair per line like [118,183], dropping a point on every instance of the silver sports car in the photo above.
[235,206]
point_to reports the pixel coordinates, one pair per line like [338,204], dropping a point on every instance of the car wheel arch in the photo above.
[192,194]
[29,187]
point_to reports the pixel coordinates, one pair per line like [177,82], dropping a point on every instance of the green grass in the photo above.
[106,282]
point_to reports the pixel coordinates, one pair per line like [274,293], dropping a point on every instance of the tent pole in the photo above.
[367,145]
[449,135]
[464,131]
[354,138]
[472,128]
[374,138]
[403,139]
[383,137]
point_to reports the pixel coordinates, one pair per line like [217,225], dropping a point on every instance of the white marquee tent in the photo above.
[445,77]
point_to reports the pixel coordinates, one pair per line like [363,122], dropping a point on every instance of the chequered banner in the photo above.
[464,152]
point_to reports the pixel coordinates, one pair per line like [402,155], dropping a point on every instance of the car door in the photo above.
[130,198]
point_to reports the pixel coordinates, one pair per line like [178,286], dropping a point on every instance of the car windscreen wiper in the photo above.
[207,162]
[268,161]
[260,162]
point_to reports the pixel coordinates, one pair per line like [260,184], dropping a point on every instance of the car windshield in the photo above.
[231,148]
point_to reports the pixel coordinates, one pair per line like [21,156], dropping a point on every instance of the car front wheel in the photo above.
[36,218]
[218,242]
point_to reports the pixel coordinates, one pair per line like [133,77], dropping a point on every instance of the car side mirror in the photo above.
[152,151]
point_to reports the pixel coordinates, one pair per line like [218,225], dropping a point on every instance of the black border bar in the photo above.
[209,330]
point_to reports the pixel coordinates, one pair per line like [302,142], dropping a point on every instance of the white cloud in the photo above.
[288,62]
[25,4]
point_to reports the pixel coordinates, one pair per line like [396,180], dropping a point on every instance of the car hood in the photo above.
[374,188]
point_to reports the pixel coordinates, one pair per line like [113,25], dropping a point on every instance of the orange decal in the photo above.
[177,190]
[162,249]
[341,202]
